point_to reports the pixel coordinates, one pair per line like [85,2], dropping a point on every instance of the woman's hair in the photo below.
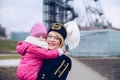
[61,39]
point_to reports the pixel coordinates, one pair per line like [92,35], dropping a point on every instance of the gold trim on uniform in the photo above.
[63,70]
[59,67]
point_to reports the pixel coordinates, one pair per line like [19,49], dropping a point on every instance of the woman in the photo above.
[56,69]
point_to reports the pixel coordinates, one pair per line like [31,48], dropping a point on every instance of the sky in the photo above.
[20,15]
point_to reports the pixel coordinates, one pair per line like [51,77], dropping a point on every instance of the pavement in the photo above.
[79,71]
[9,63]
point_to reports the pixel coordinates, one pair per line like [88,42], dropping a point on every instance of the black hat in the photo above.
[58,27]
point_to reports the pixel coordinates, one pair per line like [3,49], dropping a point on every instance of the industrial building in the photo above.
[97,37]
[57,11]
[18,36]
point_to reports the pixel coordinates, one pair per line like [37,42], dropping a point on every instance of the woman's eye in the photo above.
[57,38]
[50,36]
[54,37]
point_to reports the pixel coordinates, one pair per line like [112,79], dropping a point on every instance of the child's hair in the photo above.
[38,30]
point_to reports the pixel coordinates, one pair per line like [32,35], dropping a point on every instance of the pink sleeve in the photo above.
[43,53]
[21,47]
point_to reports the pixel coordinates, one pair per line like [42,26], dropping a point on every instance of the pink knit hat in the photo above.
[38,30]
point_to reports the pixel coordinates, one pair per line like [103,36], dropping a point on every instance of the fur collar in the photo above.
[33,40]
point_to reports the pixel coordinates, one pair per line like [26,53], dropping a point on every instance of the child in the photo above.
[31,63]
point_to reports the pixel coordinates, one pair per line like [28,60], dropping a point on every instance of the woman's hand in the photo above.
[64,51]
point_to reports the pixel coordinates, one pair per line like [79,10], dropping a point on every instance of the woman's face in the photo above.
[53,40]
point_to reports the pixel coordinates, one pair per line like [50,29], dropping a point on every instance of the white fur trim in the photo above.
[33,40]
[73,34]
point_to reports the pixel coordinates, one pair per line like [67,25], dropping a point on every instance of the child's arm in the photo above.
[44,53]
[22,47]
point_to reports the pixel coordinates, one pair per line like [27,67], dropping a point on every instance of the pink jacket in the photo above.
[32,60]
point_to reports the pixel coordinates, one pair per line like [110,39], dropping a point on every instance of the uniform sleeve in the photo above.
[43,53]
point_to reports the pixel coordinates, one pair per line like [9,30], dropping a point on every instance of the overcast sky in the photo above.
[20,15]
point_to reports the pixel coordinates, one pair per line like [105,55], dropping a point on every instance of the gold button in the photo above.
[43,77]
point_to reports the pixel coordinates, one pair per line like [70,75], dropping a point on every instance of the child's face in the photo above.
[41,38]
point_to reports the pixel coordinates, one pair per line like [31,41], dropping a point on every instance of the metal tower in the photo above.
[57,11]
[94,13]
